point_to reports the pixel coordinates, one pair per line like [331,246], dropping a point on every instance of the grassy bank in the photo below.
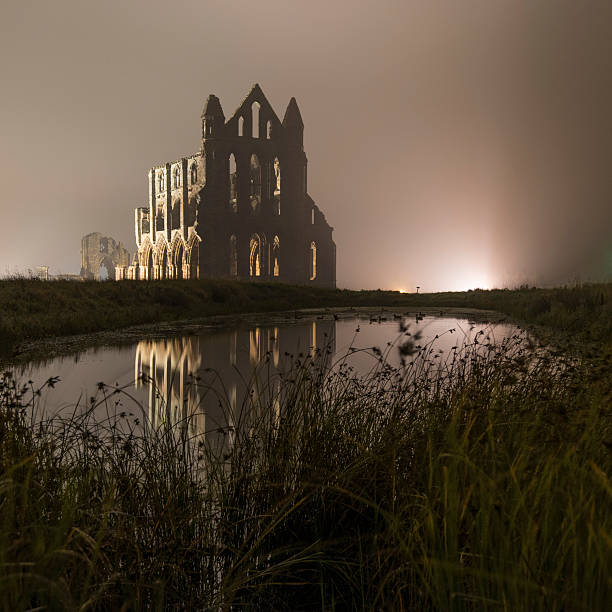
[31,309]
[478,484]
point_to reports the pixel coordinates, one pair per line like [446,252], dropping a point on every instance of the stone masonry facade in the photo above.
[239,208]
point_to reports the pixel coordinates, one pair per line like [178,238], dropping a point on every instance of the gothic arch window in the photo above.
[277,177]
[176,177]
[255,119]
[240,126]
[161,181]
[233,256]
[163,263]
[269,130]
[268,173]
[312,216]
[179,260]
[149,264]
[176,214]
[192,260]
[313,261]
[255,255]
[189,211]
[160,215]
[233,183]
[194,173]
[276,256]
[255,182]
[106,269]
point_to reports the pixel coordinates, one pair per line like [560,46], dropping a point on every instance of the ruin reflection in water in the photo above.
[204,380]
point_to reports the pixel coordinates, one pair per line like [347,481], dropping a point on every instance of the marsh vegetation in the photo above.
[481,482]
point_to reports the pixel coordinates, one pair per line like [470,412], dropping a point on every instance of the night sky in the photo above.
[451,144]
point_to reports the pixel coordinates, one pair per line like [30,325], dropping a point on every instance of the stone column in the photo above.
[167,225]
[152,205]
[185,192]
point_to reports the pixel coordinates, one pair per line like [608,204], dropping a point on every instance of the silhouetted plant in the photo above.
[468,480]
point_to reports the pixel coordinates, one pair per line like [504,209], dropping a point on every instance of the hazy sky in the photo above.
[451,144]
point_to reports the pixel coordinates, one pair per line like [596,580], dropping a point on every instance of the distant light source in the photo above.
[469,280]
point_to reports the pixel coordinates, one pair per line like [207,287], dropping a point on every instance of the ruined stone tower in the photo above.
[239,208]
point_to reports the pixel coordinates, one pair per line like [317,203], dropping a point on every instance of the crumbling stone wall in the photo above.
[101,255]
[239,208]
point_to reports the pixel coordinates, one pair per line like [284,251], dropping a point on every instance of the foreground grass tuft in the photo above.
[478,484]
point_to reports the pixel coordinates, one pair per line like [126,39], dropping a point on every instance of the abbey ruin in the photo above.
[101,256]
[238,208]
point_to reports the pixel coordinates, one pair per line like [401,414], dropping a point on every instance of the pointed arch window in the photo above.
[176,177]
[192,260]
[255,182]
[163,263]
[194,173]
[255,119]
[233,183]
[149,264]
[313,261]
[161,180]
[240,126]
[268,130]
[255,255]
[276,256]
[179,260]
[277,176]
[233,256]
[176,214]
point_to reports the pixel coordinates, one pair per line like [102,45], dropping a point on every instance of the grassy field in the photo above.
[32,309]
[482,483]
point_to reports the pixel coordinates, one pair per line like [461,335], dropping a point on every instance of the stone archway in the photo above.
[106,271]
[178,259]
[163,262]
[100,255]
[149,265]
[258,259]
[192,259]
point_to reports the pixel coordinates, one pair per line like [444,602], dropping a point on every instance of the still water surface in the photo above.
[205,380]
[209,372]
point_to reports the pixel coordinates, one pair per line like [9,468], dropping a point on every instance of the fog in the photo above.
[451,144]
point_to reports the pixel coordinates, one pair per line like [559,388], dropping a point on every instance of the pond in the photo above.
[207,374]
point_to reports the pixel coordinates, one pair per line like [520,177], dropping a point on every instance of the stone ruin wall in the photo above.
[239,208]
[97,252]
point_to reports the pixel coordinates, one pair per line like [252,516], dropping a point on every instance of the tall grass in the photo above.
[478,483]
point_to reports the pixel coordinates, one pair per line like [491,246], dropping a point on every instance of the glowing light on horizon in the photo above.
[469,280]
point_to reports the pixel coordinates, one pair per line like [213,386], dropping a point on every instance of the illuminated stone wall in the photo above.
[239,208]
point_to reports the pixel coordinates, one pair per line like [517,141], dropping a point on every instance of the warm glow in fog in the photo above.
[468,279]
